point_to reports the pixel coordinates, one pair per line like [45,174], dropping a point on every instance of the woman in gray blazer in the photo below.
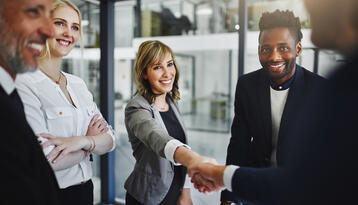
[156,131]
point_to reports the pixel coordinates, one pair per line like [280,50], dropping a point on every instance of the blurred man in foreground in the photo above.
[27,178]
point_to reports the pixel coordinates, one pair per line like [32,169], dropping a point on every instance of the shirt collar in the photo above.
[285,85]
[6,81]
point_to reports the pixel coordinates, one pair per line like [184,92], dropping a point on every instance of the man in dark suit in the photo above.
[320,167]
[27,178]
[266,98]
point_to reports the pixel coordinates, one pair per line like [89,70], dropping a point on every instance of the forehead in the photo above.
[67,13]
[20,4]
[275,36]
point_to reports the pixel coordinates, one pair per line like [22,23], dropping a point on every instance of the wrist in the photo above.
[88,143]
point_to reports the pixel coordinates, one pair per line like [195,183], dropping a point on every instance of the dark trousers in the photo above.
[130,200]
[81,194]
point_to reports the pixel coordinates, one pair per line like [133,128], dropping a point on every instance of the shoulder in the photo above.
[310,76]
[30,78]
[251,77]
[74,79]
[138,101]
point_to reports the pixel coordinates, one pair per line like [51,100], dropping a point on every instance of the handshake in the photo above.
[206,175]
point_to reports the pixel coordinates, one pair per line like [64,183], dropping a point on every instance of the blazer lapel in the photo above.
[294,99]
[263,92]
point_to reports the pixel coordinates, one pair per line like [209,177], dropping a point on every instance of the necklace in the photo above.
[56,81]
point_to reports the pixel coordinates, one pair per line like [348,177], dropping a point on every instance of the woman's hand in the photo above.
[64,145]
[97,126]
[185,197]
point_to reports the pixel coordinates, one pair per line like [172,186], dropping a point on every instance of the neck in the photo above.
[161,102]
[7,69]
[51,66]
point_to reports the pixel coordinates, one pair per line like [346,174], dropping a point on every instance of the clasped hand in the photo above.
[207,177]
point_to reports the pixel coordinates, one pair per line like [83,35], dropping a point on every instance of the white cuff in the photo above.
[170,149]
[228,174]
[115,137]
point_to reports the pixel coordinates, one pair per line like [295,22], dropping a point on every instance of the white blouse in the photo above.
[48,111]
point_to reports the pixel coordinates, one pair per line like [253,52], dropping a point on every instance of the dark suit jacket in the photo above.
[27,178]
[321,165]
[251,132]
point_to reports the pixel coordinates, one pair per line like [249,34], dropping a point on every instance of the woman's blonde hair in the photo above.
[56,5]
[150,53]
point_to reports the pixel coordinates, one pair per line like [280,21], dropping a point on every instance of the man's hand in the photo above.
[207,177]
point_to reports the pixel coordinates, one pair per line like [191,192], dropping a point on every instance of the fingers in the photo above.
[54,152]
[60,155]
[94,119]
[46,135]
[203,184]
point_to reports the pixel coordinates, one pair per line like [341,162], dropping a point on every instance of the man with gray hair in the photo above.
[27,177]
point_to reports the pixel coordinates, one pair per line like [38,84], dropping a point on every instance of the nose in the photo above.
[275,55]
[67,32]
[47,29]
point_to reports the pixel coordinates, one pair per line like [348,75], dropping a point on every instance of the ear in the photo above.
[298,48]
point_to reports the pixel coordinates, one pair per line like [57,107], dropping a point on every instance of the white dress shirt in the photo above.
[6,82]
[48,111]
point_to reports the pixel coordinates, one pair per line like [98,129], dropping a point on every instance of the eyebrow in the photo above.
[66,21]
[169,61]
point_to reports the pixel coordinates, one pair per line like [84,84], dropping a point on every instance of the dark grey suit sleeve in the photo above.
[141,124]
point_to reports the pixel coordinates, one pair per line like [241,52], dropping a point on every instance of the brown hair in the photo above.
[149,53]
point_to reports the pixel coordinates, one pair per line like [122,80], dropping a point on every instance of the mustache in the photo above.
[37,39]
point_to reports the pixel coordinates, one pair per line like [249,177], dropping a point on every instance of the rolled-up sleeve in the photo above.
[111,132]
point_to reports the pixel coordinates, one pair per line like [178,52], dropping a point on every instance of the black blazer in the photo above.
[251,132]
[27,178]
[321,165]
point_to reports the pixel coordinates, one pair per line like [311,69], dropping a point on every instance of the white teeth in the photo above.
[64,43]
[36,46]
[276,66]
[166,81]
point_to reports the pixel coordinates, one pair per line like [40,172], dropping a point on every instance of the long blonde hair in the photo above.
[149,53]
[56,5]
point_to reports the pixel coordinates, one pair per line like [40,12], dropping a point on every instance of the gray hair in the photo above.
[12,58]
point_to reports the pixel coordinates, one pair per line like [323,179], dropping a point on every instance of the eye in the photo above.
[284,48]
[75,28]
[59,23]
[157,67]
[33,12]
[265,50]
[170,64]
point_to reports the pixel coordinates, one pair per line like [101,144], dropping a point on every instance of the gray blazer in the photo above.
[153,174]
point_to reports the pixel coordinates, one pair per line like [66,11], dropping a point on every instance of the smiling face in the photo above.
[25,26]
[161,75]
[67,31]
[277,52]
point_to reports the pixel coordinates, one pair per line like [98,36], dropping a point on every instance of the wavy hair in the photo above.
[149,53]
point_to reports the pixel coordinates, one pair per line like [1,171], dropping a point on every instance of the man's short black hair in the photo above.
[281,19]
